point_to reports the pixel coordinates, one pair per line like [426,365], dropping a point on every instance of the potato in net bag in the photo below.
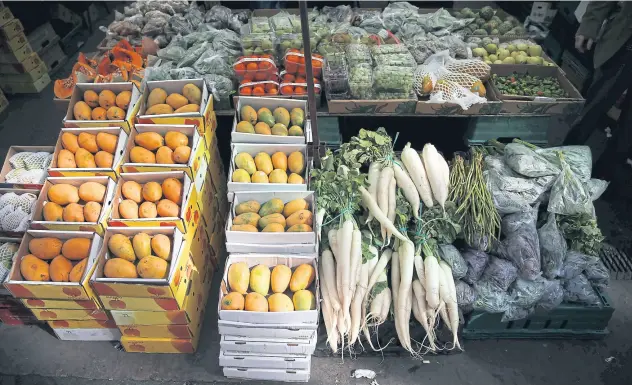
[447,91]
[17,160]
[9,199]
[37,160]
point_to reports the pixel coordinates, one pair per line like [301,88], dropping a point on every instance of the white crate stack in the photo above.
[268,346]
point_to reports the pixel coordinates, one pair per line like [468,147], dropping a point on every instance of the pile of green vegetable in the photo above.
[529,85]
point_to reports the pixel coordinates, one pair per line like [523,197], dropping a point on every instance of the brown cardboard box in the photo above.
[5,15]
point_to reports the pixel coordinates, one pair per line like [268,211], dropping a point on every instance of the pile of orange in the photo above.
[296,85]
[295,63]
[263,88]
[255,68]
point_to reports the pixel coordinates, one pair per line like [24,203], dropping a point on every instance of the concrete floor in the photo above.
[31,356]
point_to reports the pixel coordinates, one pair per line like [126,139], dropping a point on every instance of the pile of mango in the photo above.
[68,203]
[159,103]
[87,150]
[264,122]
[143,256]
[250,287]
[53,259]
[263,168]
[151,147]
[150,200]
[106,105]
[273,216]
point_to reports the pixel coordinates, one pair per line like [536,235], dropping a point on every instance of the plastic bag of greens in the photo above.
[476,263]
[222,90]
[131,10]
[515,313]
[172,52]
[521,244]
[552,297]
[157,73]
[490,299]
[159,6]
[195,15]
[569,195]
[156,23]
[596,187]
[227,42]
[192,54]
[465,296]
[527,162]
[527,293]
[552,247]
[597,273]
[396,14]
[500,273]
[579,290]
[512,194]
[213,63]
[521,221]
[161,41]
[578,158]
[574,264]
[372,23]
[218,16]
[180,25]
[339,14]
[452,257]
[184,73]
[281,23]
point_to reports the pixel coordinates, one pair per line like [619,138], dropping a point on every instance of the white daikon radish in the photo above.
[435,170]
[417,173]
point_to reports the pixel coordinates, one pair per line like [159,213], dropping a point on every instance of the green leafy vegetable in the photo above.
[581,232]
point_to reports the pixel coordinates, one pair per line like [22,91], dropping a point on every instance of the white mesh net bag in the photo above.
[25,202]
[10,199]
[468,81]
[6,211]
[424,80]
[17,160]
[32,176]
[24,224]
[37,160]
[7,251]
[472,67]
[12,221]
[13,176]
[446,91]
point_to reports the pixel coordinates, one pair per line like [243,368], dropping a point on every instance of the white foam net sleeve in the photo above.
[13,176]
[38,160]
[12,221]
[24,224]
[423,80]
[17,160]
[473,67]
[7,251]
[25,202]
[446,91]
[9,198]
[32,176]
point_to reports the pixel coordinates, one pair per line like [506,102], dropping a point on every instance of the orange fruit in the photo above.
[288,78]
[273,91]
[249,76]
[252,66]
[264,65]
[287,90]
[269,85]
[292,58]
[258,91]
[300,79]
[317,63]
[245,91]
[261,75]
[240,69]
[299,90]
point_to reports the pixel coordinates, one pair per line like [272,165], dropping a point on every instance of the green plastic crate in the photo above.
[533,129]
[567,321]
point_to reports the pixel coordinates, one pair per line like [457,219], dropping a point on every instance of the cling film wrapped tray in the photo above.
[261,88]
[294,63]
[258,68]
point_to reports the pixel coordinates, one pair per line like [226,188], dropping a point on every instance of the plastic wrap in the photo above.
[386,55]
[526,293]
[500,273]
[358,54]
[180,24]
[597,273]
[552,247]
[262,88]
[336,76]
[192,54]
[397,14]
[553,295]
[228,43]
[218,17]
[184,73]
[596,187]
[393,79]
[222,88]
[255,69]
[281,23]
[156,23]
[511,192]
[361,82]
[295,63]
[574,264]
[527,162]
[579,290]
[569,195]
[515,313]
[339,14]
[465,296]
[452,257]
[258,43]
[476,263]
[521,244]
[289,41]
[213,63]
[490,299]
[260,24]
[578,158]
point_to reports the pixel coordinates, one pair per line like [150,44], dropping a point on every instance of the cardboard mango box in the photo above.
[106,206]
[15,43]
[99,334]
[16,236]
[11,29]
[189,312]
[372,107]
[170,287]
[267,345]
[203,118]
[195,168]
[112,172]
[32,62]
[249,242]
[284,375]
[53,290]
[83,324]
[65,314]
[5,15]
[6,167]
[34,303]
[77,95]
[257,330]
[186,221]
[201,252]
[33,87]
[28,77]
[16,55]
[271,104]
[295,317]
[233,360]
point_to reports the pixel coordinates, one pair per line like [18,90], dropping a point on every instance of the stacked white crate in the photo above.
[268,346]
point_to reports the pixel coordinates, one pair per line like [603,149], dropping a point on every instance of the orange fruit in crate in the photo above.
[260,75]
[287,90]
[301,59]
[265,65]
[240,69]
[300,79]
[269,86]
[288,78]
[245,91]
[317,63]
[252,66]
[292,58]
[273,91]
[301,70]
[300,90]
[258,91]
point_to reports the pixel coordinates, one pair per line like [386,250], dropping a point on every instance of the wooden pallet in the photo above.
[617,262]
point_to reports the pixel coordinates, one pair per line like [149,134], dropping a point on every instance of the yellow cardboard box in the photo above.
[186,221]
[53,290]
[77,95]
[112,172]
[196,166]
[33,303]
[65,314]
[99,227]
[202,119]
[7,167]
[201,248]
[83,324]
[139,287]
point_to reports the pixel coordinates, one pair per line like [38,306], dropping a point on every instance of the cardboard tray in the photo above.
[77,95]
[16,236]
[106,206]
[309,317]
[270,103]
[53,290]
[112,172]
[267,345]
[253,149]
[540,71]
[6,166]
[272,361]
[252,330]
[285,375]
[279,239]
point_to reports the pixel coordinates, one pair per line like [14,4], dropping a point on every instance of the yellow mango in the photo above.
[238,277]
[272,218]
[244,161]
[302,277]
[304,300]
[247,207]
[263,162]
[247,219]
[260,279]
[293,206]
[300,217]
[280,278]
[273,206]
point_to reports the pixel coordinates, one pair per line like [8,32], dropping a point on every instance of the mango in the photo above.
[115,113]
[192,93]
[273,206]
[152,191]
[172,189]
[247,219]
[274,228]
[107,99]
[187,108]
[141,244]
[167,209]
[73,212]
[238,277]
[300,217]
[182,154]
[88,142]
[247,228]
[247,207]
[76,249]
[296,162]
[164,155]
[161,245]
[248,114]
[244,161]
[66,159]
[63,193]
[297,117]
[263,162]
[279,160]
[149,140]
[245,127]
[260,279]
[266,117]
[279,302]
[176,101]
[156,96]
[141,155]
[175,139]
[119,268]
[147,210]
[272,218]
[132,190]
[34,269]
[262,129]
[159,109]
[103,159]
[280,278]
[91,211]
[84,159]
[81,111]
[241,176]
[233,301]
[121,247]
[92,192]
[300,228]
[255,302]
[45,248]
[279,129]
[152,267]
[281,116]
[278,176]
[295,131]
[293,206]
[304,300]
[70,141]
[128,209]
[52,212]
[60,268]
[259,177]
[302,277]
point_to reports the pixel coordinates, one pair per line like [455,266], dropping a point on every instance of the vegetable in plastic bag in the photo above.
[596,187]
[527,162]
[218,16]
[192,54]
[597,273]
[515,313]
[452,257]
[213,63]
[521,221]
[465,296]
[569,195]
[574,264]
[194,15]
[582,233]
[500,273]
[181,25]
[527,293]
[552,247]
[552,297]
[156,23]
[339,14]
[184,73]
[227,42]
[397,13]
[490,299]
[222,88]
[521,244]
[578,158]
[476,262]
[579,290]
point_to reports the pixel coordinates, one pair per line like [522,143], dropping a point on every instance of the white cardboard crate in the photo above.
[248,242]
[285,375]
[272,361]
[267,345]
[309,317]
[271,104]
[251,330]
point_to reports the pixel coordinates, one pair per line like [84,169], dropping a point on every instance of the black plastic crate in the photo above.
[567,321]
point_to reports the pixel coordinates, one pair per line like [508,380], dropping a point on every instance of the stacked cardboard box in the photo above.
[21,69]
[45,42]
[71,308]
[4,103]
[12,311]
